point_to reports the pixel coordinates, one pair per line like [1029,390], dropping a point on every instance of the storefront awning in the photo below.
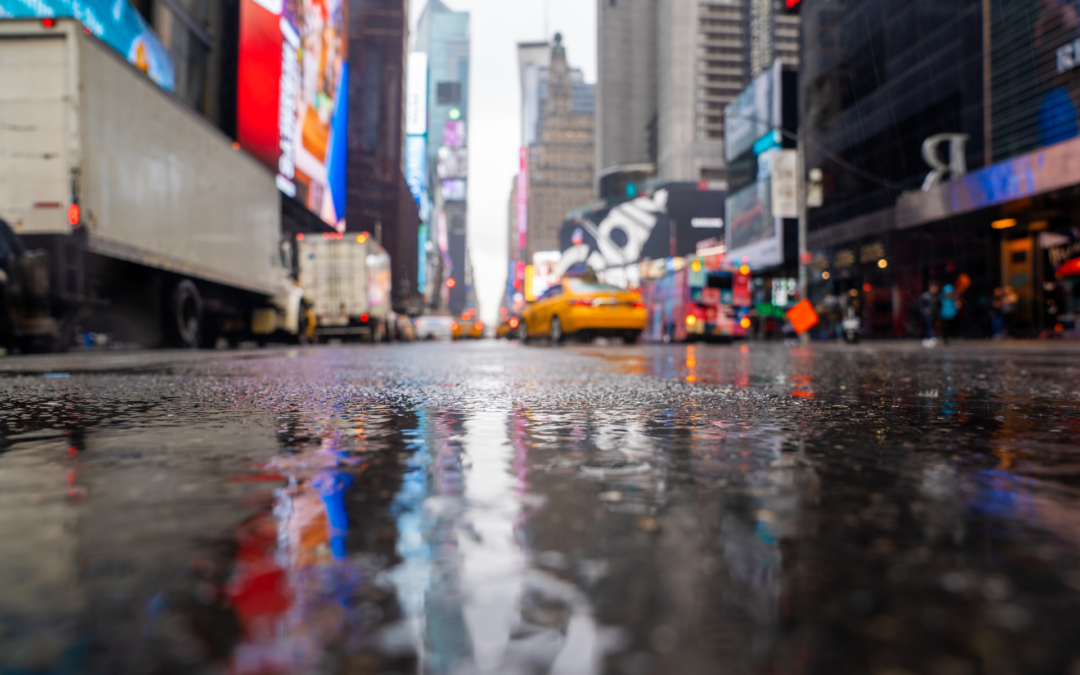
[1051,168]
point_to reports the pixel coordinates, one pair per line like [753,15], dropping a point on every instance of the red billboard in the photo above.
[292,97]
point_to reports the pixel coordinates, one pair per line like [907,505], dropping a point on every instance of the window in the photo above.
[449,93]
[579,286]
[552,292]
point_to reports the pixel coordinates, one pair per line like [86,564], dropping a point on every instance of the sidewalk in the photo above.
[1026,347]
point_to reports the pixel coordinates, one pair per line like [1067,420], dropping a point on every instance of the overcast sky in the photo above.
[495,111]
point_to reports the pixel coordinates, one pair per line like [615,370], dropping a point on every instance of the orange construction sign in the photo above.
[802,316]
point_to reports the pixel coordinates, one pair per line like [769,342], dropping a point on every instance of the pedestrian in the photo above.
[950,309]
[930,308]
[835,317]
[997,318]
[1009,301]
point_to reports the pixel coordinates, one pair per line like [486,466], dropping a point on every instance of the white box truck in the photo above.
[133,212]
[346,281]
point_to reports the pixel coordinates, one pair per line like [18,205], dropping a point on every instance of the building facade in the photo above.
[443,35]
[667,70]
[626,90]
[377,199]
[946,137]
[560,163]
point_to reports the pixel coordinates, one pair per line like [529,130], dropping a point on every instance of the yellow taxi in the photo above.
[467,329]
[577,307]
[507,329]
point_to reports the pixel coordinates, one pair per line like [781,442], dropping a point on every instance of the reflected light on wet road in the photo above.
[485,508]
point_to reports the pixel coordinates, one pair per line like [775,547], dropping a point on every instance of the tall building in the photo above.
[667,69]
[560,163]
[443,35]
[377,198]
[626,92]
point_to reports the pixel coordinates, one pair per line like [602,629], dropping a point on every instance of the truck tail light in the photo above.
[48,23]
[73,210]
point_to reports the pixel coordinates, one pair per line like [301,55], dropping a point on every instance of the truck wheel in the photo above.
[186,315]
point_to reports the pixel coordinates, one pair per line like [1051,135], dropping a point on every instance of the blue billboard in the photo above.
[114,22]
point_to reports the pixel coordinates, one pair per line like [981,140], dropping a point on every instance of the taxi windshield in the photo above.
[579,286]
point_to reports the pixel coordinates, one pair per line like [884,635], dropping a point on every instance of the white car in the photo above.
[434,328]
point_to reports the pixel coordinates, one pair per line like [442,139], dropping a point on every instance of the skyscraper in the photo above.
[560,162]
[443,35]
[667,68]
[377,199]
[626,93]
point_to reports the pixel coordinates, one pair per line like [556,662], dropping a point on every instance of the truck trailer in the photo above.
[346,282]
[136,216]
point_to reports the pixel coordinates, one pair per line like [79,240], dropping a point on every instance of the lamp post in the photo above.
[804,254]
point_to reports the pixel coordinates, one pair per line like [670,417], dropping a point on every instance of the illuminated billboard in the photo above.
[754,113]
[117,24]
[292,98]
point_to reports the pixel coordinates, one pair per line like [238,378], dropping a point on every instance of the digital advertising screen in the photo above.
[117,24]
[1035,68]
[292,98]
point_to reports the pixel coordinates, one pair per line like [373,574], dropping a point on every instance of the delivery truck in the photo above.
[134,215]
[346,282]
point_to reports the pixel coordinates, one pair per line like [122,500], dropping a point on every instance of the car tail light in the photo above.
[513,323]
[638,305]
[582,302]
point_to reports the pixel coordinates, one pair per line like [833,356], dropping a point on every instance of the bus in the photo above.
[703,299]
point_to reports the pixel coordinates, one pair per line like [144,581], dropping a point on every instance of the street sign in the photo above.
[802,316]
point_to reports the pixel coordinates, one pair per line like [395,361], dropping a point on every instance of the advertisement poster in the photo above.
[523,199]
[1036,74]
[117,24]
[292,98]
[416,166]
[416,95]
[756,112]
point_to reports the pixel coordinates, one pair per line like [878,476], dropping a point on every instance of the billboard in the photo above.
[416,95]
[1035,65]
[117,24]
[453,163]
[676,216]
[523,200]
[453,190]
[755,113]
[416,167]
[292,98]
[453,135]
[754,234]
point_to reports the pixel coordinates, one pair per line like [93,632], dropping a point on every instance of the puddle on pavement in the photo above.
[886,525]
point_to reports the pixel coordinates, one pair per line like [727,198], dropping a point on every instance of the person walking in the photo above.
[930,308]
[950,309]
[997,318]
[1009,301]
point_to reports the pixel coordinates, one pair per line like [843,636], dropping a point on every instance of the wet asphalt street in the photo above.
[494,508]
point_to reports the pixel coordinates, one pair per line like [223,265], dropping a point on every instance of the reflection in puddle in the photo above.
[630,522]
